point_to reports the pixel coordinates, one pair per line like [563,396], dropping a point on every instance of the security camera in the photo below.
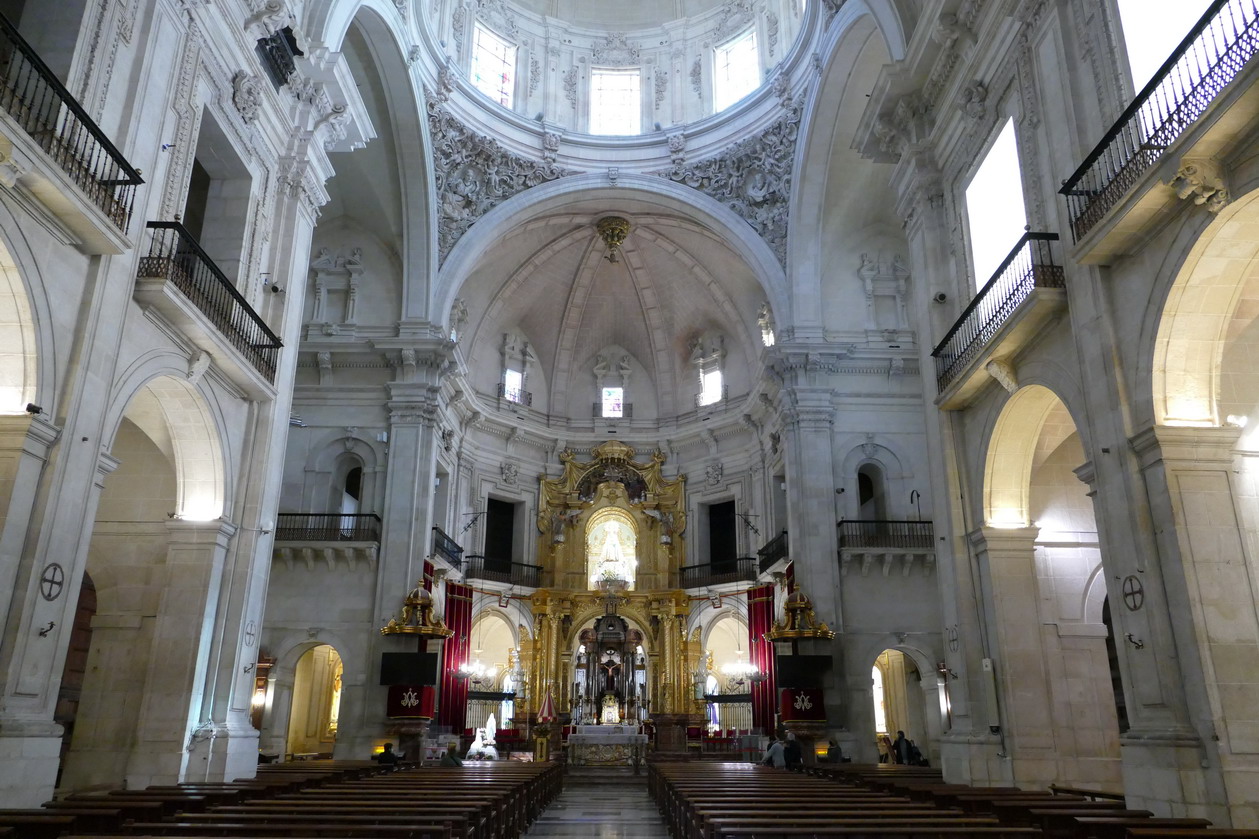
[940,297]
[275,289]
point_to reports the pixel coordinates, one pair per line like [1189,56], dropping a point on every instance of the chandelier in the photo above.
[613,230]
[740,673]
[475,670]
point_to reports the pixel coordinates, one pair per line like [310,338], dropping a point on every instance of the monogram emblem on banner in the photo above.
[802,702]
[410,699]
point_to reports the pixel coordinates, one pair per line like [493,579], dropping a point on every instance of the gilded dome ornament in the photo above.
[799,621]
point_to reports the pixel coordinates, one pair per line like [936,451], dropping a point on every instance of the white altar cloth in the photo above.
[605,749]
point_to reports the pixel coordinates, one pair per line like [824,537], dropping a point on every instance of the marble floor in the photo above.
[601,803]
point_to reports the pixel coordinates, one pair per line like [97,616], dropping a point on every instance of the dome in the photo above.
[616,16]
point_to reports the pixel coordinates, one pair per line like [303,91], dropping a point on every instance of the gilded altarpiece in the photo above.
[610,537]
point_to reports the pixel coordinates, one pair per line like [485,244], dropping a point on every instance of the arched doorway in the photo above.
[900,706]
[316,706]
[610,673]
[729,674]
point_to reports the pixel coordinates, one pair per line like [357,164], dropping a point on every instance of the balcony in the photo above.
[886,543]
[742,570]
[1027,290]
[58,153]
[327,527]
[447,548]
[516,395]
[278,54]
[1190,111]
[180,281]
[775,550]
[502,571]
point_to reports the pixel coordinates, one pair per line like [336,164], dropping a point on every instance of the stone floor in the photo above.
[601,803]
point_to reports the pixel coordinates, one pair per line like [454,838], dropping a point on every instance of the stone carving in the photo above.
[458,317]
[448,438]
[615,51]
[474,174]
[197,365]
[1004,372]
[246,95]
[697,77]
[885,277]
[570,86]
[535,74]
[10,170]
[949,29]
[662,85]
[771,32]
[413,55]
[869,448]
[550,145]
[458,22]
[498,11]
[832,9]
[402,7]
[775,442]
[972,100]
[510,472]
[677,148]
[713,473]
[752,178]
[1203,180]
[269,16]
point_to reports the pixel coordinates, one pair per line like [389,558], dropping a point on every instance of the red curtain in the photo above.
[761,653]
[453,708]
[428,576]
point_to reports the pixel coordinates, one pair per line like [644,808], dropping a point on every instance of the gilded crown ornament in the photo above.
[799,621]
[417,617]
[613,230]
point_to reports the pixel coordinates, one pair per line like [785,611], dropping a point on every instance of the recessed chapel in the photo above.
[601,381]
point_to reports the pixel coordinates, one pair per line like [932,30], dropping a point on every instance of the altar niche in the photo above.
[609,674]
[611,549]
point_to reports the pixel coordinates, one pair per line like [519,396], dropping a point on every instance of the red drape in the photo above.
[453,702]
[428,576]
[761,653]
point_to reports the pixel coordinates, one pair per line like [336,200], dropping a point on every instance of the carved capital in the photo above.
[1202,180]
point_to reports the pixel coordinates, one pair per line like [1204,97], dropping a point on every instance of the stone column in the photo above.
[1024,714]
[1210,585]
[24,444]
[176,738]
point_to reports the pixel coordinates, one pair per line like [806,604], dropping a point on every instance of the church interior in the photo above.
[593,384]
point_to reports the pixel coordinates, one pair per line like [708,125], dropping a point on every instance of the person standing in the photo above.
[900,749]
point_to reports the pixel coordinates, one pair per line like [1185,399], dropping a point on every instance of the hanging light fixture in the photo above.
[613,230]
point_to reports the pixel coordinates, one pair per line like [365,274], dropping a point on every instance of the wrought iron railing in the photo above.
[1032,264]
[1217,48]
[446,547]
[515,394]
[327,527]
[774,550]
[627,411]
[175,255]
[278,53]
[741,570]
[498,570]
[33,95]
[891,535]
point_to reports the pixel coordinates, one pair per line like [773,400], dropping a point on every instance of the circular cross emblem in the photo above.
[52,582]
[251,633]
[952,636]
[1133,593]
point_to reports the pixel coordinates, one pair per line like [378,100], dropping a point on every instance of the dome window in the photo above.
[493,66]
[736,70]
[615,102]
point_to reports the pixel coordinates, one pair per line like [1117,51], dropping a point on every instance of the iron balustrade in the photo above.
[446,547]
[175,255]
[1220,44]
[886,534]
[774,550]
[278,52]
[515,394]
[505,571]
[1029,266]
[33,95]
[741,570]
[327,527]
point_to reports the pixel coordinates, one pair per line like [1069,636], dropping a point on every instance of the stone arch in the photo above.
[26,343]
[551,197]
[189,415]
[1011,447]
[1194,320]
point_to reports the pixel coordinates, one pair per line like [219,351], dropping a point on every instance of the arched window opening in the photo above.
[871,501]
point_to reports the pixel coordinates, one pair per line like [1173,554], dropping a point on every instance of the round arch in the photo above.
[554,196]
[1011,449]
[195,424]
[1194,320]
[26,345]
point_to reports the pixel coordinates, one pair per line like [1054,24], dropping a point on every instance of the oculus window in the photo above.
[736,70]
[493,66]
[615,102]
[994,205]
[613,401]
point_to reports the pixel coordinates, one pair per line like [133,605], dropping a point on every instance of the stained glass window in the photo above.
[613,401]
[493,66]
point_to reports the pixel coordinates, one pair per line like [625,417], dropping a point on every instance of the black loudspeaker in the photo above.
[408,668]
[802,671]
